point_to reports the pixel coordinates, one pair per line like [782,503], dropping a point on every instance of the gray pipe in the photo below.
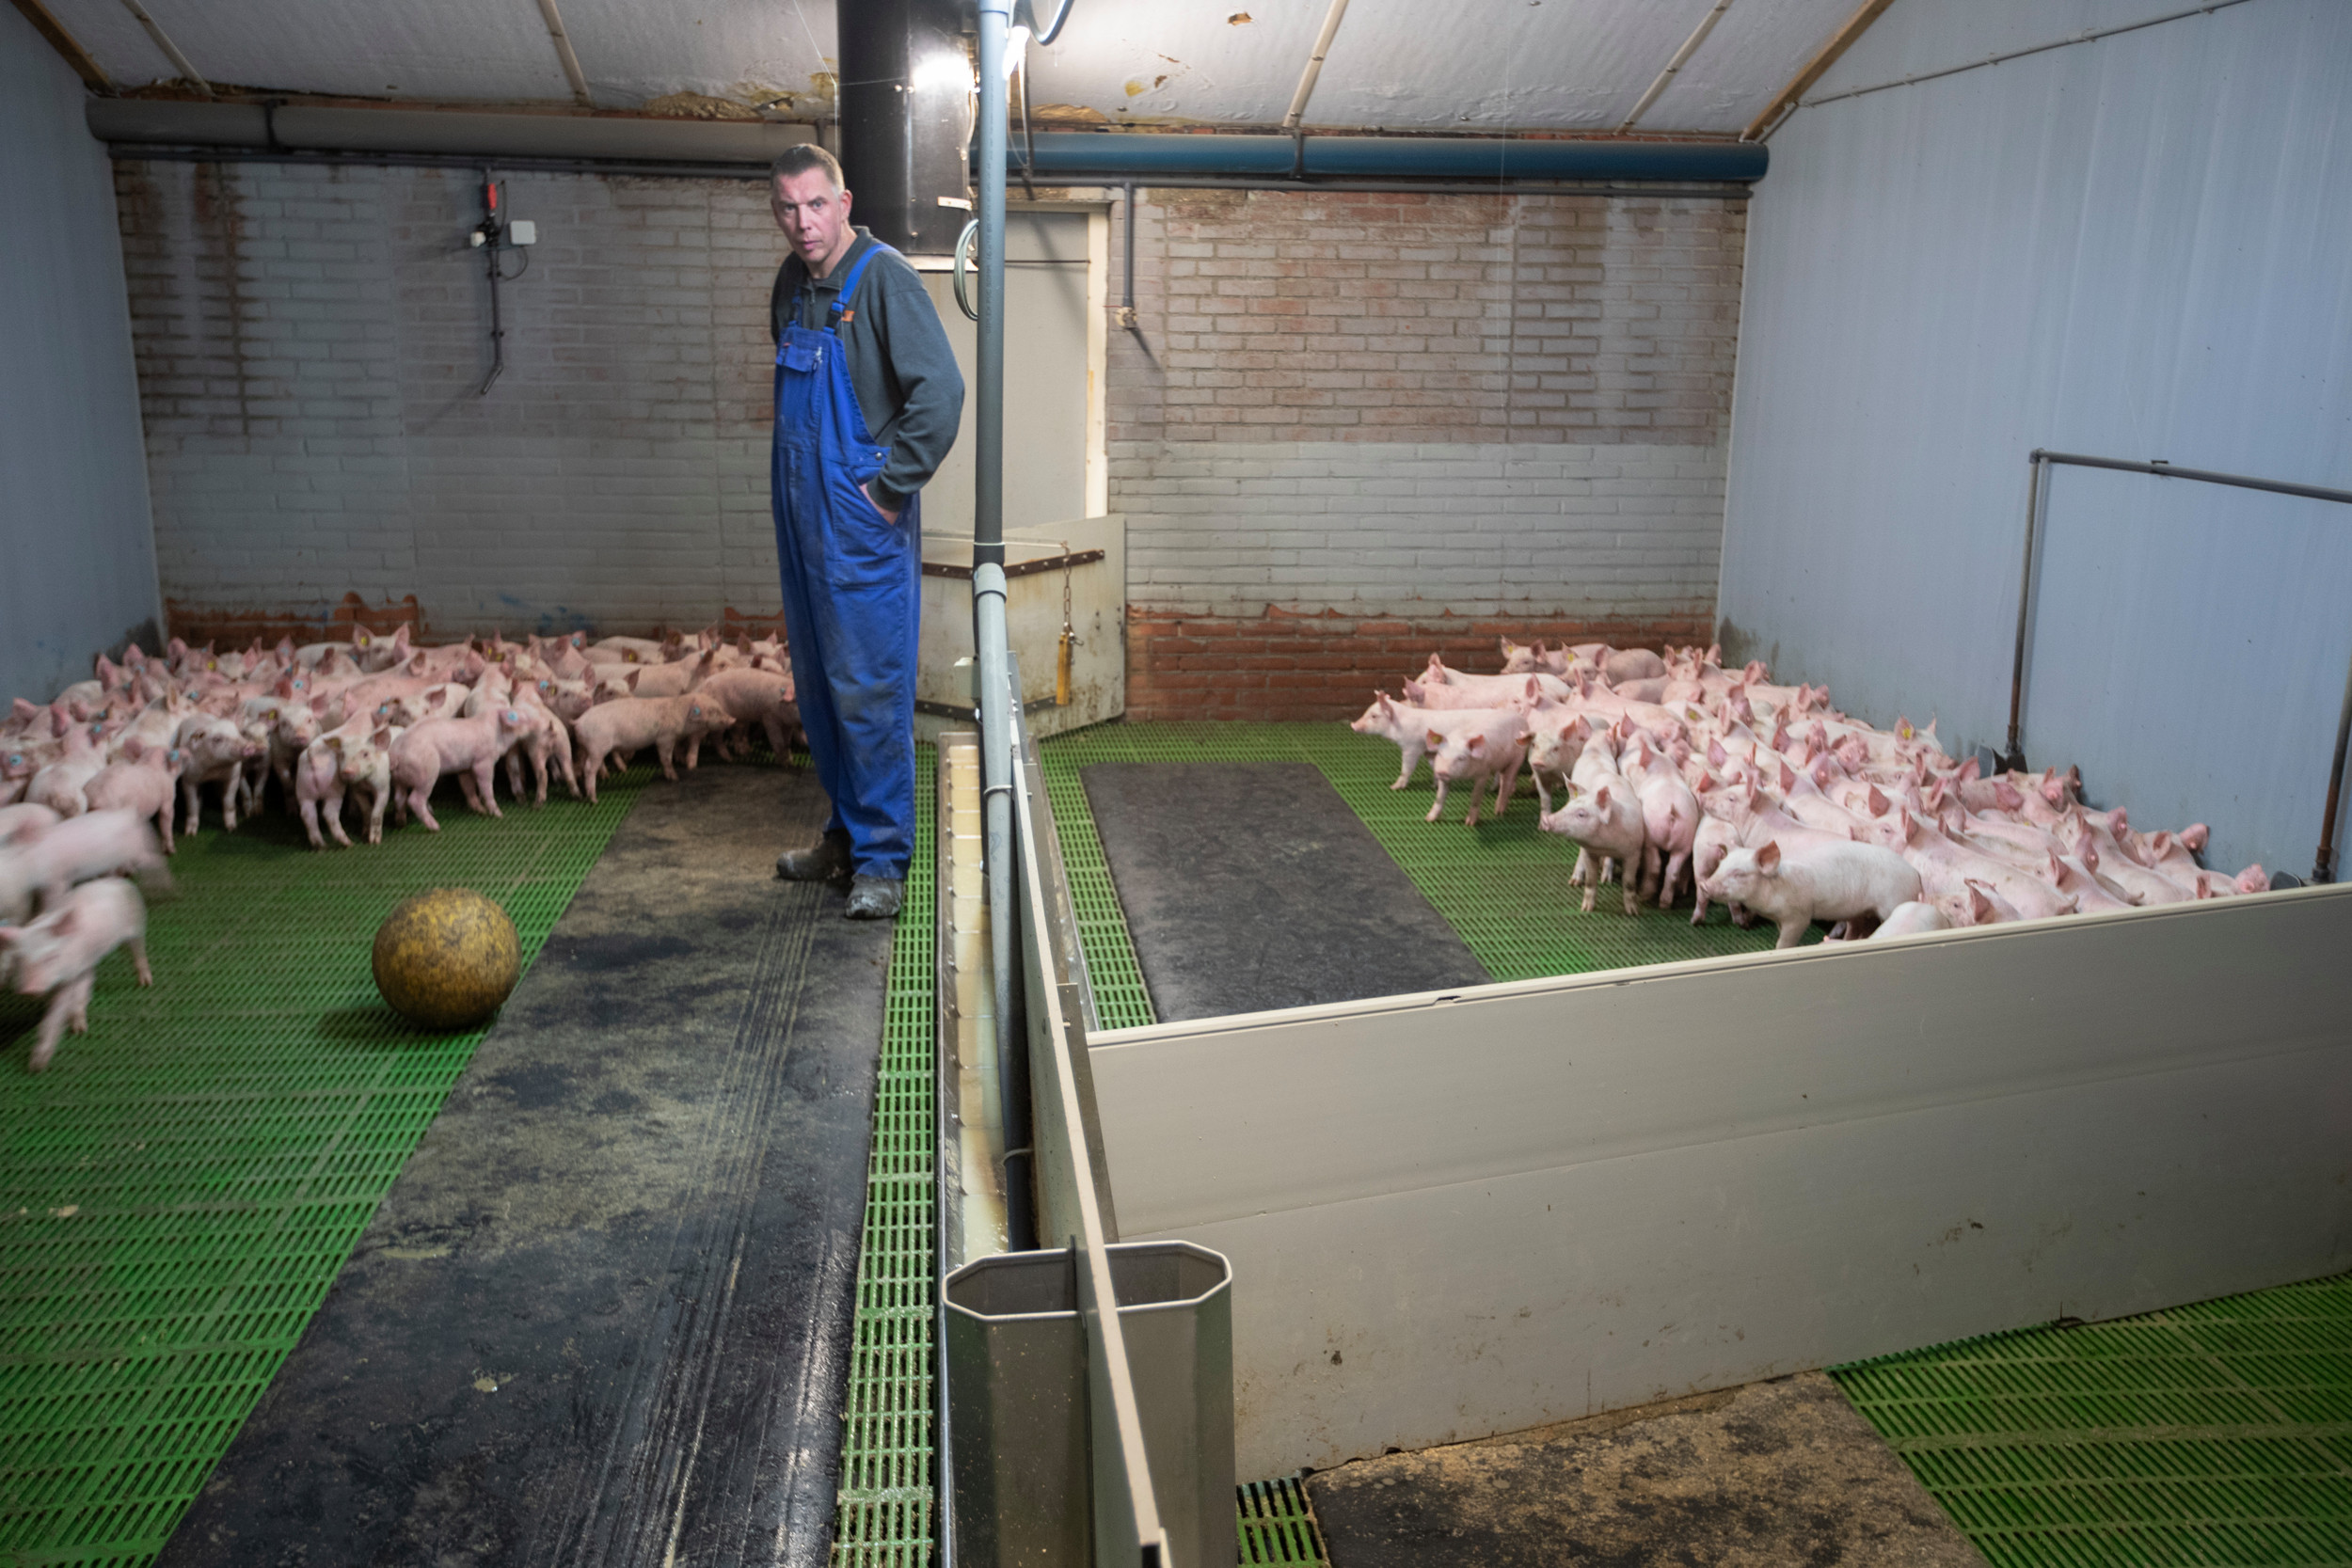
[466,133]
[988,421]
[996,765]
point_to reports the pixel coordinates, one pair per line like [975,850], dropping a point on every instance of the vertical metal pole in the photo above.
[2036,483]
[2324,867]
[988,607]
[987,508]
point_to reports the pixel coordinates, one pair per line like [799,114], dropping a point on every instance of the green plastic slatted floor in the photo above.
[884,1515]
[2215,1435]
[1502,885]
[180,1188]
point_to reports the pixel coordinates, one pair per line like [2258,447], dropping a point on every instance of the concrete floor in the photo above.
[1767,1476]
[602,1318]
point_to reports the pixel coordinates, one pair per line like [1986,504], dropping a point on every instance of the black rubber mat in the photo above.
[603,1317]
[1251,885]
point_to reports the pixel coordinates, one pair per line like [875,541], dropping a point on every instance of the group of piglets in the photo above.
[1773,802]
[374,722]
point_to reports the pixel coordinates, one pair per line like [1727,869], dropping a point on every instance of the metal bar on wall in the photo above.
[2037,508]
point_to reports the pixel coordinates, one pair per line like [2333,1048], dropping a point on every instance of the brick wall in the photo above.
[1362,426]
[1358,426]
[310,343]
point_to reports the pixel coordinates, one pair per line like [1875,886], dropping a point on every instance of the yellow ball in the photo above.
[447,959]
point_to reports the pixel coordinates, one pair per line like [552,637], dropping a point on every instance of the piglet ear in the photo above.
[632,678]
[1877,802]
[1475,744]
[1769,855]
[1436,740]
[381,737]
[1600,798]
[134,747]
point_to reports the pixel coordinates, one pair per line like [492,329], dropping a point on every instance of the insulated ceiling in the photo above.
[1479,64]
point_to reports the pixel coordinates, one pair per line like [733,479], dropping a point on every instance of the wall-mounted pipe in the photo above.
[1314,73]
[1069,156]
[569,61]
[472,134]
[171,51]
[1682,56]
[2037,507]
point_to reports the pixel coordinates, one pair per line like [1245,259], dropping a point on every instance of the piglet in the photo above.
[1478,745]
[1670,818]
[96,844]
[25,821]
[748,694]
[469,748]
[1823,879]
[626,724]
[214,751]
[1406,726]
[57,954]
[1912,917]
[58,785]
[1604,824]
[145,784]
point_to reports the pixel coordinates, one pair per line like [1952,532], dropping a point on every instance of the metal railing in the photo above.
[2037,507]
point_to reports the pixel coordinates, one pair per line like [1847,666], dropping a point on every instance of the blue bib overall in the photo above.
[851,592]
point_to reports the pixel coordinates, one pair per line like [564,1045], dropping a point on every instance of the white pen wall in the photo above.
[2139,248]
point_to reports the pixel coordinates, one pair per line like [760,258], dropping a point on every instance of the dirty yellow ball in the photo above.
[447,959]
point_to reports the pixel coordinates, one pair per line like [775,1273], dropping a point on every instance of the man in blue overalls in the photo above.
[868,402]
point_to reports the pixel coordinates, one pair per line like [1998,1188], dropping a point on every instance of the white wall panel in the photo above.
[1456,1215]
[77,550]
[2134,248]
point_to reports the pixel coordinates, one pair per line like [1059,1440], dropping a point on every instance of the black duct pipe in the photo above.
[906,114]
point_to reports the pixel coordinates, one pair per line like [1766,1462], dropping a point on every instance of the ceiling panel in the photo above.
[1484,65]
[1234,61]
[1754,52]
[498,48]
[633,50]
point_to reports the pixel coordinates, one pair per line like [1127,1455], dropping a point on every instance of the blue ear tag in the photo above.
[799,356]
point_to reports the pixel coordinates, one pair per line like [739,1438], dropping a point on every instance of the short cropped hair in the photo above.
[802,157]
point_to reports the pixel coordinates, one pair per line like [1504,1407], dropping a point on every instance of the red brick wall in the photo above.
[1280,666]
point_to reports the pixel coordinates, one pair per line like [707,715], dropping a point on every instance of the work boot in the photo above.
[875,897]
[825,860]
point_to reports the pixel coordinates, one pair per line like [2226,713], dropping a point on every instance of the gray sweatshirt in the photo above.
[905,376]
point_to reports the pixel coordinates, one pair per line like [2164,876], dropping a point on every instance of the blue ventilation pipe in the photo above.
[1073,155]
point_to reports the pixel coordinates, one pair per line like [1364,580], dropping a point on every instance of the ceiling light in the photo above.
[945,72]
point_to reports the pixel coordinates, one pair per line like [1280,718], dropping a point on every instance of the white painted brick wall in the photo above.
[1229,529]
[309,342]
